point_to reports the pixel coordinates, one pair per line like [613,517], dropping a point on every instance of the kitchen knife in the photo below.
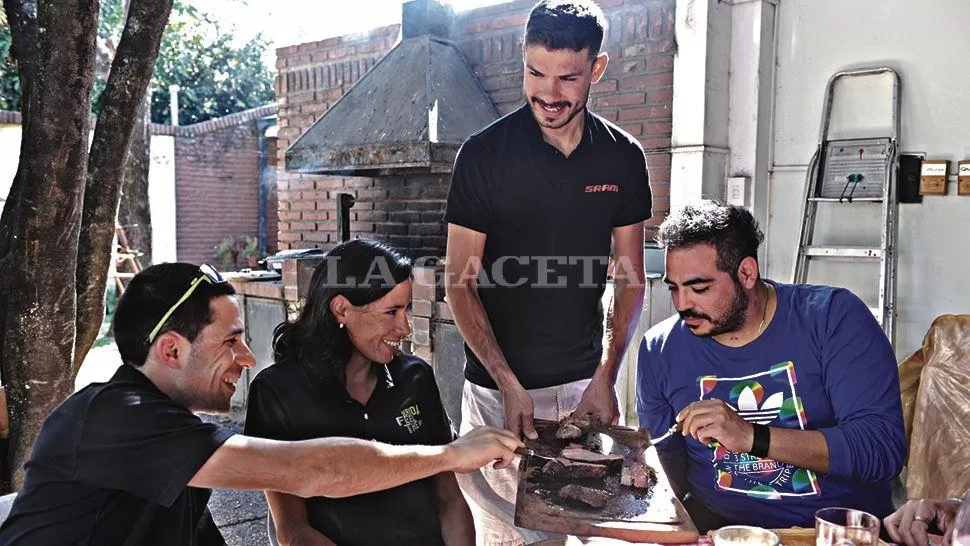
[529,452]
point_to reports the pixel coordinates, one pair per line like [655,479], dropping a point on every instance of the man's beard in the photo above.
[208,402]
[537,111]
[731,320]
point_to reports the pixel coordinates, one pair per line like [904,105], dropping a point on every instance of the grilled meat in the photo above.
[637,475]
[572,469]
[597,498]
[586,456]
[575,426]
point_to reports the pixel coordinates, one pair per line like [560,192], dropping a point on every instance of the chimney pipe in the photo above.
[423,17]
[345,202]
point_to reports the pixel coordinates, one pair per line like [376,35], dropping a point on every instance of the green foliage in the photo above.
[9,80]
[216,76]
[231,248]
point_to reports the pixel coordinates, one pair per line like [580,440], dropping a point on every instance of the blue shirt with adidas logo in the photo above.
[823,363]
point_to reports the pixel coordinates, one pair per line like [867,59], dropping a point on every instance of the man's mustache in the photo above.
[693,314]
[560,104]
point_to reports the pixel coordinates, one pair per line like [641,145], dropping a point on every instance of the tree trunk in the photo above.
[39,317]
[22,19]
[121,100]
[134,214]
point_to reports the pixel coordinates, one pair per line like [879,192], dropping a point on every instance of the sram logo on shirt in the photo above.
[410,418]
[599,188]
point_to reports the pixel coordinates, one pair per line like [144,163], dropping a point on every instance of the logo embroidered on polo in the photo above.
[599,188]
[410,418]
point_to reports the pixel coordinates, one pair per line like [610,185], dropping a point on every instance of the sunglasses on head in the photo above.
[208,274]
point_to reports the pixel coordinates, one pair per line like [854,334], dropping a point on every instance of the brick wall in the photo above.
[636,92]
[310,78]
[216,189]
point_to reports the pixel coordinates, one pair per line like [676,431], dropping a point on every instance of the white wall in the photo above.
[9,157]
[927,42]
[161,186]
[161,198]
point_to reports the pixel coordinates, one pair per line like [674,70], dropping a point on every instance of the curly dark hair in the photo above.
[730,229]
[363,271]
[562,24]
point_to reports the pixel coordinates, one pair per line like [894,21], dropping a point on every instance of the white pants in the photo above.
[491,493]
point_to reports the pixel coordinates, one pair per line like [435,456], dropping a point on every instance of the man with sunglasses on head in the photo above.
[127,462]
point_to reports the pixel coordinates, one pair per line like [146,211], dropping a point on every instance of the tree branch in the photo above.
[39,317]
[22,18]
[127,84]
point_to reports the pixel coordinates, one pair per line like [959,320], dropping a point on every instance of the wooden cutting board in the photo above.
[631,515]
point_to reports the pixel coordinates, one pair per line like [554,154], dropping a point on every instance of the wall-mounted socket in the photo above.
[737,191]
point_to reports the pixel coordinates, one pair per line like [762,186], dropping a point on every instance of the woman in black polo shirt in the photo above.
[338,372]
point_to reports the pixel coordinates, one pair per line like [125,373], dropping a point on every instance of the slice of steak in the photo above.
[636,474]
[626,475]
[642,476]
[573,469]
[568,431]
[586,456]
[574,426]
[597,498]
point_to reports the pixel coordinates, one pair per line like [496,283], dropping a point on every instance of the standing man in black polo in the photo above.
[537,199]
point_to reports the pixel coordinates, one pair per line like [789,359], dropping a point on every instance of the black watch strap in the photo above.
[762,441]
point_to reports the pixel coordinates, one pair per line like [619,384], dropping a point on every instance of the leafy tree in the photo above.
[216,77]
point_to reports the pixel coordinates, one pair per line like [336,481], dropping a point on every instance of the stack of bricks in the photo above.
[636,92]
[427,297]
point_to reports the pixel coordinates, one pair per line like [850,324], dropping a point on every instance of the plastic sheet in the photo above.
[935,386]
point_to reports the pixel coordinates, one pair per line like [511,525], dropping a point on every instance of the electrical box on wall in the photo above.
[908,179]
[932,176]
[737,191]
[963,178]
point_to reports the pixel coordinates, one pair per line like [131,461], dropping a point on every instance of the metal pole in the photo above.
[345,202]
[262,125]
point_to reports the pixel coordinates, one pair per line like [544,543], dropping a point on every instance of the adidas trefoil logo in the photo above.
[749,411]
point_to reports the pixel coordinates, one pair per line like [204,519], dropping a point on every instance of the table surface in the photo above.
[795,536]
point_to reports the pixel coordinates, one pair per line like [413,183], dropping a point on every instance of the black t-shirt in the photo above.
[288,403]
[548,221]
[111,466]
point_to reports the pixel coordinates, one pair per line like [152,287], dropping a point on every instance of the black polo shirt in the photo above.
[548,219]
[112,465]
[287,403]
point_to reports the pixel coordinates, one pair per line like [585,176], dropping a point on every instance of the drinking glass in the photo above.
[743,535]
[845,527]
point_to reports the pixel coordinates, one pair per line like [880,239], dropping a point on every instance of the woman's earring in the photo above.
[341,325]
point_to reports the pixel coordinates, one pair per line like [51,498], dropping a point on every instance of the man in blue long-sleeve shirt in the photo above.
[787,395]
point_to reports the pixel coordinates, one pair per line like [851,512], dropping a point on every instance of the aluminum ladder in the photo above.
[849,172]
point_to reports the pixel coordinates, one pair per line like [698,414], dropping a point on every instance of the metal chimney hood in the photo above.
[409,113]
